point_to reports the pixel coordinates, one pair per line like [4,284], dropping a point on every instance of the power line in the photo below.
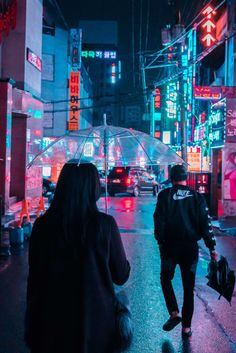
[183,35]
[133,50]
[140,35]
[147,24]
[199,57]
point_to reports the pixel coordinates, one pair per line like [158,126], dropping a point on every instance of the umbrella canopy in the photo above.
[108,146]
[221,278]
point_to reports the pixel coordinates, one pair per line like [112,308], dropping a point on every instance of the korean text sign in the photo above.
[74,92]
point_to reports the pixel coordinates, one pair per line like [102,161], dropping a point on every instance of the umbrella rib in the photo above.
[44,150]
[141,146]
[119,144]
[84,142]
[119,133]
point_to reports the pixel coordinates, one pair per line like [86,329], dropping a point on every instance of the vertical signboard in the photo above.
[208,26]
[74,91]
[74,80]
[157,99]
[75,48]
[230,135]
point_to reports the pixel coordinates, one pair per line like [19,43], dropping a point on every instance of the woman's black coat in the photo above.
[70,295]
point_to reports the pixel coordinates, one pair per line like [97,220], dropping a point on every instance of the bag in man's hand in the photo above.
[124,327]
[221,278]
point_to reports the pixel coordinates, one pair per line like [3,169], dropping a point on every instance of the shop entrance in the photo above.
[216,183]
[18,157]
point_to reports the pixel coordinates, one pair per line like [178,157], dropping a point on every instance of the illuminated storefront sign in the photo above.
[74,93]
[88,149]
[216,123]
[34,59]
[113,73]
[199,132]
[231,120]
[194,159]
[208,26]
[166,137]
[99,54]
[206,92]
[75,48]
[171,100]
[157,99]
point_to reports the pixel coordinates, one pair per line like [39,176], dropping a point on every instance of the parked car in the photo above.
[165,184]
[132,180]
[48,186]
[102,180]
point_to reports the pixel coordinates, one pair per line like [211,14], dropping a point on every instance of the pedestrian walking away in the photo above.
[181,218]
[75,256]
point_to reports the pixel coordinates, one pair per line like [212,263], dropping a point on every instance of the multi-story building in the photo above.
[57,66]
[100,57]
[20,99]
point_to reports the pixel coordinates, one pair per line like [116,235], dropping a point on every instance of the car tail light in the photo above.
[119,170]
[128,181]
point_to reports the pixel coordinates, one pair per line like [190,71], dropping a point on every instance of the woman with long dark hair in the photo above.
[75,256]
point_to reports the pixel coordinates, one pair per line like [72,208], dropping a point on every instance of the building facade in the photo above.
[21,106]
[100,57]
[57,65]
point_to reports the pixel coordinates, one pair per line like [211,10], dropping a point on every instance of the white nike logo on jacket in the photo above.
[181,194]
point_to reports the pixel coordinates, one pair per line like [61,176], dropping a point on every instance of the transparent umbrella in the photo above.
[107,146]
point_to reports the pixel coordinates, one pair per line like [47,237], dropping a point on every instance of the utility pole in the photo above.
[183,120]
[183,128]
[152,119]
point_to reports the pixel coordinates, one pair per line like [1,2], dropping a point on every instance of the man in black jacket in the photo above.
[181,218]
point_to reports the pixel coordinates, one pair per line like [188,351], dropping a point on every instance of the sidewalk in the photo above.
[214,321]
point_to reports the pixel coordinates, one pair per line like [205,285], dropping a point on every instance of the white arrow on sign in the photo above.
[208,39]
[209,26]
[209,12]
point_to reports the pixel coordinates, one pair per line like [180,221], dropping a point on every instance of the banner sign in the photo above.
[74,92]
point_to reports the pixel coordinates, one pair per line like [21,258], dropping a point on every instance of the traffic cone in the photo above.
[24,212]
[41,207]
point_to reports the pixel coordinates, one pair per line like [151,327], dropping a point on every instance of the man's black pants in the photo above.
[186,257]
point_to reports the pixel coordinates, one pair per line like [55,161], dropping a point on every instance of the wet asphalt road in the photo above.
[214,323]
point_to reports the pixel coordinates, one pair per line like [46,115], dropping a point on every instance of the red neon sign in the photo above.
[34,59]
[157,98]
[208,26]
[206,92]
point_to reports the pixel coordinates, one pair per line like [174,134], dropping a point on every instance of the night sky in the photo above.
[159,14]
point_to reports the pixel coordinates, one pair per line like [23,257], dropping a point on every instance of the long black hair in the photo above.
[74,203]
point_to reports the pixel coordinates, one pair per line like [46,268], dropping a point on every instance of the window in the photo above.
[48,116]
[48,67]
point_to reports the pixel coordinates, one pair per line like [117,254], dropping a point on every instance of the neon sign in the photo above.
[206,92]
[171,101]
[208,26]
[99,54]
[34,59]
[157,99]
[74,93]
[113,73]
